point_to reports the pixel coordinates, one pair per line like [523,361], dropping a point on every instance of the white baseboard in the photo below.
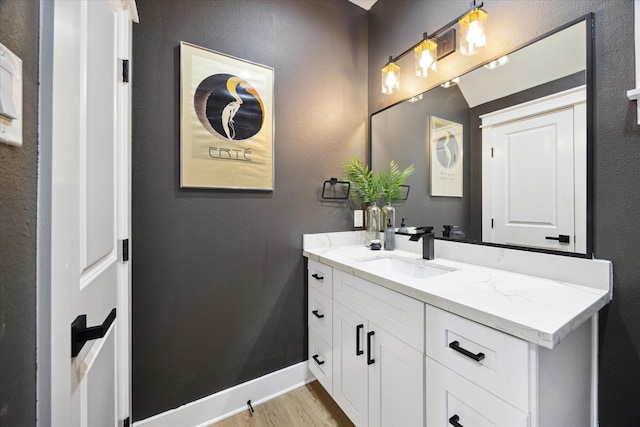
[211,409]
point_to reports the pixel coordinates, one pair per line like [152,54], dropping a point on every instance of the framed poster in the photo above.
[226,120]
[446,157]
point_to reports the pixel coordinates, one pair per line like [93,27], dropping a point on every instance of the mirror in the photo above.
[502,154]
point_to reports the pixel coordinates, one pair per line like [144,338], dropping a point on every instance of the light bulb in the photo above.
[474,34]
[391,80]
[426,60]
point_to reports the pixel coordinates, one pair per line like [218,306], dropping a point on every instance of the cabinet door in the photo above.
[395,381]
[453,400]
[350,368]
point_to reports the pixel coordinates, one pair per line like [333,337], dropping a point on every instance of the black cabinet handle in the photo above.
[319,316]
[359,351]
[317,276]
[370,361]
[454,421]
[456,346]
[562,238]
[80,334]
[318,361]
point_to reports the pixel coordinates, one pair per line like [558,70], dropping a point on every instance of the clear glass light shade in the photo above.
[450,83]
[426,54]
[472,32]
[503,60]
[390,78]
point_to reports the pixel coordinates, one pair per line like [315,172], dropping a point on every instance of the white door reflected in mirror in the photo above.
[531,188]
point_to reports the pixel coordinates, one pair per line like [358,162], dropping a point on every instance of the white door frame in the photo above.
[47,286]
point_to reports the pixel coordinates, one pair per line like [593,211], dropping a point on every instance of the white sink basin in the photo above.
[414,268]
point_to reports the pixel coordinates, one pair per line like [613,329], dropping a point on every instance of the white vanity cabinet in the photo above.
[320,308]
[377,353]
[478,376]
[391,360]
[503,338]
[366,347]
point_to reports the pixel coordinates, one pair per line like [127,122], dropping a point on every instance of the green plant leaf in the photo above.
[391,179]
[365,184]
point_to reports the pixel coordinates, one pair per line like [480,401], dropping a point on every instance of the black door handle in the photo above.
[80,334]
[317,276]
[359,351]
[319,362]
[562,238]
[454,421]
[456,346]
[370,361]
[317,314]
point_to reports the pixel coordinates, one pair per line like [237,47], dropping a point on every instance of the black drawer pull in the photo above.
[456,346]
[359,351]
[319,316]
[454,421]
[318,361]
[370,361]
[562,238]
[317,276]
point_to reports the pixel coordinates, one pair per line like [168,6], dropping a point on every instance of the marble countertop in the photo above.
[539,310]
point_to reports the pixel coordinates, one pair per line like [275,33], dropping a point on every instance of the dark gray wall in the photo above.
[401,133]
[218,277]
[395,25]
[18,172]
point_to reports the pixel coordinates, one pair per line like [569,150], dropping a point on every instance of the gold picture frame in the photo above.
[446,139]
[226,121]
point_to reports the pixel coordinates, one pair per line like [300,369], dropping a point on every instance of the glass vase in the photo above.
[388,213]
[373,223]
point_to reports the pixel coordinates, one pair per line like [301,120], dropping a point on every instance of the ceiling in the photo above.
[365,4]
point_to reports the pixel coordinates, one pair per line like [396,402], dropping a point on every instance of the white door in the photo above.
[533,182]
[396,396]
[350,369]
[534,173]
[89,137]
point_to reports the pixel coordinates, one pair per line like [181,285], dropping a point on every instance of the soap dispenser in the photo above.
[389,237]
[403,227]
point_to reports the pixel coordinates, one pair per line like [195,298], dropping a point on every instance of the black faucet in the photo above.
[426,233]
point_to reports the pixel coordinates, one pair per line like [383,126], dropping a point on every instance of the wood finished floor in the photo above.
[307,406]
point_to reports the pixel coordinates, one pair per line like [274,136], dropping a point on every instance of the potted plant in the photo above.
[365,188]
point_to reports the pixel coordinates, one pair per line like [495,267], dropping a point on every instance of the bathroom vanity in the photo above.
[478,336]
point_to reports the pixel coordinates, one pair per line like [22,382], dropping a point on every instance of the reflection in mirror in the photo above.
[512,134]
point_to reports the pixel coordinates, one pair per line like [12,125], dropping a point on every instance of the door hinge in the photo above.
[125,70]
[491,222]
[124,250]
[491,151]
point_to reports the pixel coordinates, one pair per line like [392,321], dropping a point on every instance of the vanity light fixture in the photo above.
[390,77]
[497,63]
[438,45]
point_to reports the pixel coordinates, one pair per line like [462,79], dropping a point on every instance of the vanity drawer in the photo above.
[451,399]
[321,360]
[397,314]
[503,368]
[320,277]
[320,314]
